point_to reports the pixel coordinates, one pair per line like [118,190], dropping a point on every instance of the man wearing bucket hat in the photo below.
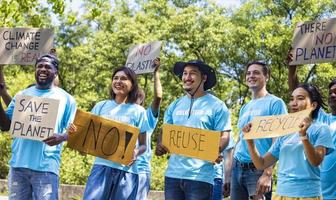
[246,181]
[34,165]
[190,178]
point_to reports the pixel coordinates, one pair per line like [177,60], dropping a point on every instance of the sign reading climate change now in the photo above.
[104,138]
[277,125]
[34,117]
[191,142]
[314,42]
[140,57]
[23,45]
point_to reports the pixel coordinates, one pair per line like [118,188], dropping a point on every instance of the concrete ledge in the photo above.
[74,192]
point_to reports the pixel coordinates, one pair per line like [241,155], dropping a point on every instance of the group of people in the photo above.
[307,160]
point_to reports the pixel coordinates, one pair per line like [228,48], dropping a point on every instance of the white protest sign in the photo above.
[314,42]
[23,45]
[34,117]
[140,57]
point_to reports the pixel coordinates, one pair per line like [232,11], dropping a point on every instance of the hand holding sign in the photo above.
[56,139]
[275,126]
[304,125]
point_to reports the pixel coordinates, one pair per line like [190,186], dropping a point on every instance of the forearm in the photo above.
[314,157]
[4,120]
[258,161]
[157,93]
[6,98]
[142,144]
[224,140]
[292,78]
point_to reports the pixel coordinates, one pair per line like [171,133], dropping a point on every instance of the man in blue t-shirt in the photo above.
[34,165]
[190,178]
[256,184]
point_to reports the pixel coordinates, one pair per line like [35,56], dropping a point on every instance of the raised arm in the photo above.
[292,73]
[157,88]
[3,88]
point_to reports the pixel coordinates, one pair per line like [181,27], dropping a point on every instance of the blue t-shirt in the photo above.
[127,113]
[145,158]
[296,176]
[220,167]
[265,106]
[37,155]
[208,112]
[328,167]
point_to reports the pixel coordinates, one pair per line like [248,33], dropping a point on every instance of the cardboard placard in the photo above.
[103,137]
[140,57]
[191,142]
[314,42]
[23,45]
[34,117]
[276,125]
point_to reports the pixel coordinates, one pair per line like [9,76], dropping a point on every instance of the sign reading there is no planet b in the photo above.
[140,57]
[314,42]
[23,45]
[34,117]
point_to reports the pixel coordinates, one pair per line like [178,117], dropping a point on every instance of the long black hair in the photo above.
[315,96]
[132,95]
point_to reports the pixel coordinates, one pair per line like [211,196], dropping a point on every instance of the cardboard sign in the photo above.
[140,57]
[191,142]
[314,42]
[23,45]
[34,117]
[103,138]
[277,125]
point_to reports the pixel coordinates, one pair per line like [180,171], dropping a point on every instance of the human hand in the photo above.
[161,149]
[156,64]
[304,125]
[264,184]
[55,139]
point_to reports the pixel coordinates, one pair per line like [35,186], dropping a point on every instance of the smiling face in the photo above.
[121,84]
[192,79]
[300,100]
[255,77]
[45,73]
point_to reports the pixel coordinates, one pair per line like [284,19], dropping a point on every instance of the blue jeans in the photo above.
[29,184]
[144,186]
[183,189]
[217,189]
[109,183]
[244,181]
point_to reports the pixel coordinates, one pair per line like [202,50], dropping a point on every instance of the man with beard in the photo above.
[328,166]
[34,165]
[190,178]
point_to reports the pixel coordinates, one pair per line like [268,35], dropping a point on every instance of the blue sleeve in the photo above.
[322,137]
[322,116]
[222,120]
[279,107]
[151,119]
[168,115]
[275,148]
[142,122]
[69,114]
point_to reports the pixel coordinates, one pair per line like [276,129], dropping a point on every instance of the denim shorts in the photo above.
[183,189]
[109,183]
[144,186]
[244,180]
[29,184]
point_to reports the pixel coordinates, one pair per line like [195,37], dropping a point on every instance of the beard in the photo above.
[45,82]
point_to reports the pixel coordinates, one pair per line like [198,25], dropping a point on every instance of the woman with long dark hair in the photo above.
[299,154]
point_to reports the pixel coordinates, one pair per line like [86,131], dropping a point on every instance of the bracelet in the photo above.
[303,137]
